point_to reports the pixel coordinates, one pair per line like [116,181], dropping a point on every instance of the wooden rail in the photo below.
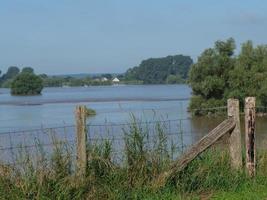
[225,127]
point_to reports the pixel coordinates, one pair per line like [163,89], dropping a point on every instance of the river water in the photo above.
[113,105]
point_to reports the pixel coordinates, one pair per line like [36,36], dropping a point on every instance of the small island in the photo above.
[27,83]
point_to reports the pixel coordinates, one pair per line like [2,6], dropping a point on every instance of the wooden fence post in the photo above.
[81,138]
[250,115]
[235,148]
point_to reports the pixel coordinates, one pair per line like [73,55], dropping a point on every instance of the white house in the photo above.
[116,80]
[104,79]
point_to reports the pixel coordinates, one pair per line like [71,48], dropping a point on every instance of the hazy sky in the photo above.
[90,36]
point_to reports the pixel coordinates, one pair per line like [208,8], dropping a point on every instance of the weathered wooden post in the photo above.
[81,138]
[235,148]
[250,115]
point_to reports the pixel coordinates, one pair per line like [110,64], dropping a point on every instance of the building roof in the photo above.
[116,80]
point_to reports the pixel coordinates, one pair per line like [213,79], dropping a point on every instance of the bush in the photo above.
[90,112]
[174,79]
[26,84]
[219,74]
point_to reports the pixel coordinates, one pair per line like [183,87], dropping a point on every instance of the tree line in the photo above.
[26,82]
[170,70]
[217,75]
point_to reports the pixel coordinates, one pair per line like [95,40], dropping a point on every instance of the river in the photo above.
[113,105]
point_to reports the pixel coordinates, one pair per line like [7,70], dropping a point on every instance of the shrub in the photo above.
[90,112]
[26,84]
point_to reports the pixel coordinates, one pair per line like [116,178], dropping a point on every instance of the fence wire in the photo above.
[41,143]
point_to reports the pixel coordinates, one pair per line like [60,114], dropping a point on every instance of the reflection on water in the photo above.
[202,125]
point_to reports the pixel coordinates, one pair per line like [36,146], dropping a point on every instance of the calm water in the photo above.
[113,104]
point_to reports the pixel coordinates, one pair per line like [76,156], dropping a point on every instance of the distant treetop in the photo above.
[11,73]
[27,70]
[160,70]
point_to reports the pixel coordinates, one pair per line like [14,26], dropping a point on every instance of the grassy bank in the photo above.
[130,177]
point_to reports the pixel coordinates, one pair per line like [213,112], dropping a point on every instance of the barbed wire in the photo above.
[107,124]
[94,139]
[138,109]
[44,129]
[138,122]
[261,107]
[171,132]
[37,129]
[69,142]
[211,108]
[172,128]
[101,139]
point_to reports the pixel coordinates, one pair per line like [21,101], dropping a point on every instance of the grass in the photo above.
[90,112]
[255,191]
[207,177]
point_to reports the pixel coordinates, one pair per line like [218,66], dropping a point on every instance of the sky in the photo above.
[99,36]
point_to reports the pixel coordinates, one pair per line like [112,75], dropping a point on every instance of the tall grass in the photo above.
[145,156]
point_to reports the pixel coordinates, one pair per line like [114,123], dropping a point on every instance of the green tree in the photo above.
[249,77]
[173,79]
[43,76]
[108,76]
[209,76]
[26,84]
[157,70]
[11,73]
[27,70]
[219,75]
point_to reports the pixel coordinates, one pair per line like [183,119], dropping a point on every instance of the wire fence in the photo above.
[180,133]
